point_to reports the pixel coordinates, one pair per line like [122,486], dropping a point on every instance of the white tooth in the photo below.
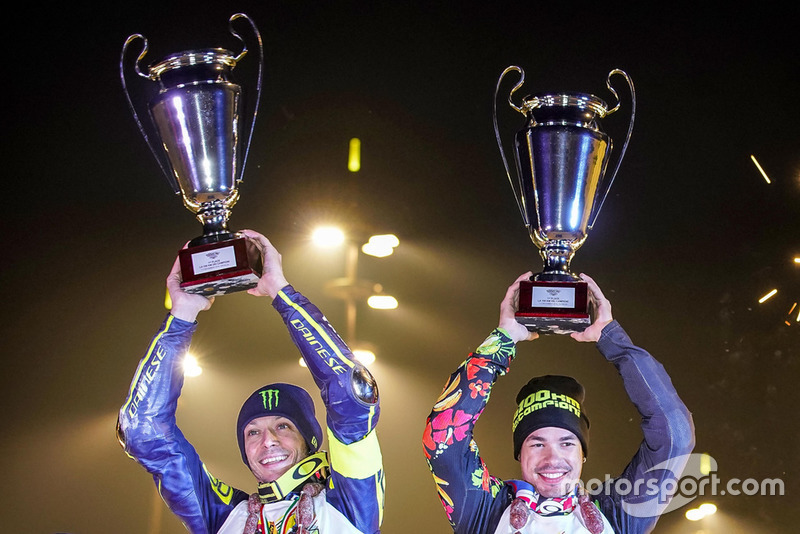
[273,460]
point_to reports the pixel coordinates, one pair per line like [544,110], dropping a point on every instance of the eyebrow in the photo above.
[543,440]
[280,419]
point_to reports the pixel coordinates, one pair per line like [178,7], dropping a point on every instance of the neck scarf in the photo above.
[544,506]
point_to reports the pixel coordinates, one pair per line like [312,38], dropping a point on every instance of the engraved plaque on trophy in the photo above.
[196,112]
[561,155]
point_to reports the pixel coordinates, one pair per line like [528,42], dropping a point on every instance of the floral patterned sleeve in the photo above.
[473,500]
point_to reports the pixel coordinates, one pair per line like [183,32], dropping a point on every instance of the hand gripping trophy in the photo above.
[195,111]
[561,159]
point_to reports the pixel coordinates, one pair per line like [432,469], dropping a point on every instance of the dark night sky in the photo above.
[690,237]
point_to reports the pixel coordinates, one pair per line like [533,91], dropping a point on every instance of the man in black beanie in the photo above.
[300,489]
[551,439]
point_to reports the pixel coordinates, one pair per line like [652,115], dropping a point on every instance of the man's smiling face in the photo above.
[551,460]
[273,445]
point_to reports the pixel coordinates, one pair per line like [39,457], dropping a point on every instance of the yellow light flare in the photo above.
[797,259]
[764,174]
[705,464]
[767,296]
[354,157]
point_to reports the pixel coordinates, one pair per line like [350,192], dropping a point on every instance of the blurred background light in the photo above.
[364,356]
[380,246]
[708,508]
[327,236]
[704,510]
[191,367]
[382,302]
[694,514]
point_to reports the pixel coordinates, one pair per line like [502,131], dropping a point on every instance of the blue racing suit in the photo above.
[352,500]
[477,503]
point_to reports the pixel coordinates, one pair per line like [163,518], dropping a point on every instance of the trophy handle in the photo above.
[165,168]
[518,188]
[606,186]
[259,80]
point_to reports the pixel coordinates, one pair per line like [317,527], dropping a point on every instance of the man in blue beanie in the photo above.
[551,439]
[300,489]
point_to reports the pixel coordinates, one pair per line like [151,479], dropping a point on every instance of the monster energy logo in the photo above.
[268,396]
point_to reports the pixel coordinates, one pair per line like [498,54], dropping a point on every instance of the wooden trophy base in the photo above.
[554,307]
[218,268]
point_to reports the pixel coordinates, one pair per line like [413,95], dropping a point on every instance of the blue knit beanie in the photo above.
[284,400]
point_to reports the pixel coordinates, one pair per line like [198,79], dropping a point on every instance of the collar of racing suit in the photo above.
[315,465]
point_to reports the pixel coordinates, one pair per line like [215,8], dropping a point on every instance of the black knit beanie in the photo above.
[550,401]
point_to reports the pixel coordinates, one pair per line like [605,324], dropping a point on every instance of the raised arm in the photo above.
[665,421]
[147,428]
[348,391]
[473,499]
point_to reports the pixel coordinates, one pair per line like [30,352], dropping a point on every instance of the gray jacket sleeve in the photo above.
[633,502]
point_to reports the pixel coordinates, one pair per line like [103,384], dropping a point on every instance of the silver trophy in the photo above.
[195,110]
[561,155]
